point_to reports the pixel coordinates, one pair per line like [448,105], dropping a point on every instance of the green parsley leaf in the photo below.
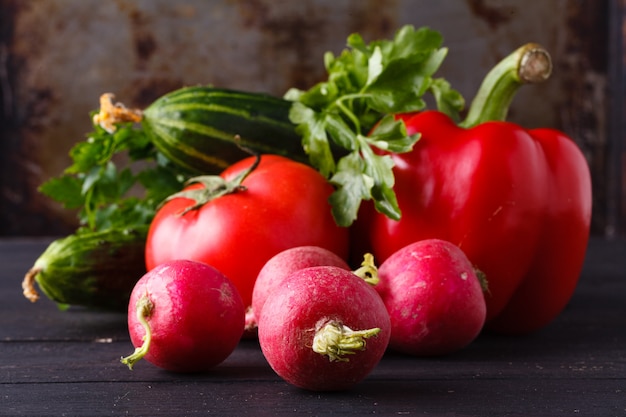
[116,179]
[343,119]
[311,127]
[353,185]
[64,189]
[448,100]
[390,135]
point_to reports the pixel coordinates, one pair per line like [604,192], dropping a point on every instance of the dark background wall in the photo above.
[58,56]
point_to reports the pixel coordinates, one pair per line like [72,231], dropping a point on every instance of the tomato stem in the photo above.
[335,340]
[144,309]
[368,270]
[213,187]
[529,64]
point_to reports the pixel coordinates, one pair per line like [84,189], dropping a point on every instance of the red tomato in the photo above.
[284,204]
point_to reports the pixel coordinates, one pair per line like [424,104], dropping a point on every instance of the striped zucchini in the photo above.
[196,127]
[91,269]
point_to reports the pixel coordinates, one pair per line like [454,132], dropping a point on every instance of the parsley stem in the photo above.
[350,115]
[88,205]
[348,111]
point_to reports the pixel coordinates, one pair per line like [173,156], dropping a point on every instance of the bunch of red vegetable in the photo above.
[321,326]
[494,227]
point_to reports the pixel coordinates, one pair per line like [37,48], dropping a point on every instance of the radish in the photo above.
[434,298]
[281,265]
[323,329]
[184,316]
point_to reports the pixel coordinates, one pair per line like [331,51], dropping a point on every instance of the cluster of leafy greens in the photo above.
[116,179]
[343,119]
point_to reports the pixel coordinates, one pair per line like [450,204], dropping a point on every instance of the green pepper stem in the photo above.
[529,64]
[336,340]
[144,309]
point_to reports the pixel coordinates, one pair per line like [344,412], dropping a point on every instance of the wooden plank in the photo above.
[67,363]
[481,398]
[488,358]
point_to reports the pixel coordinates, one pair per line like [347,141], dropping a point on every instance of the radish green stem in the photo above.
[368,270]
[143,309]
[335,340]
[482,277]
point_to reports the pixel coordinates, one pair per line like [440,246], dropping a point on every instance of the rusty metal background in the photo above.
[58,56]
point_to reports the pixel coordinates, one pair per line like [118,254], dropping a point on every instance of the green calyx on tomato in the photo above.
[517,201]
[213,186]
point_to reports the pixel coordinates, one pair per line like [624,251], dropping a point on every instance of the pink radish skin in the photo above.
[306,301]
[434,298]
[283,264]
[184,316]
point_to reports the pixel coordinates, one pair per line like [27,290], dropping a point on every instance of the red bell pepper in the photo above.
[517,201]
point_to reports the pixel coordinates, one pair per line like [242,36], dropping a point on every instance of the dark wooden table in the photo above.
[66,363]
